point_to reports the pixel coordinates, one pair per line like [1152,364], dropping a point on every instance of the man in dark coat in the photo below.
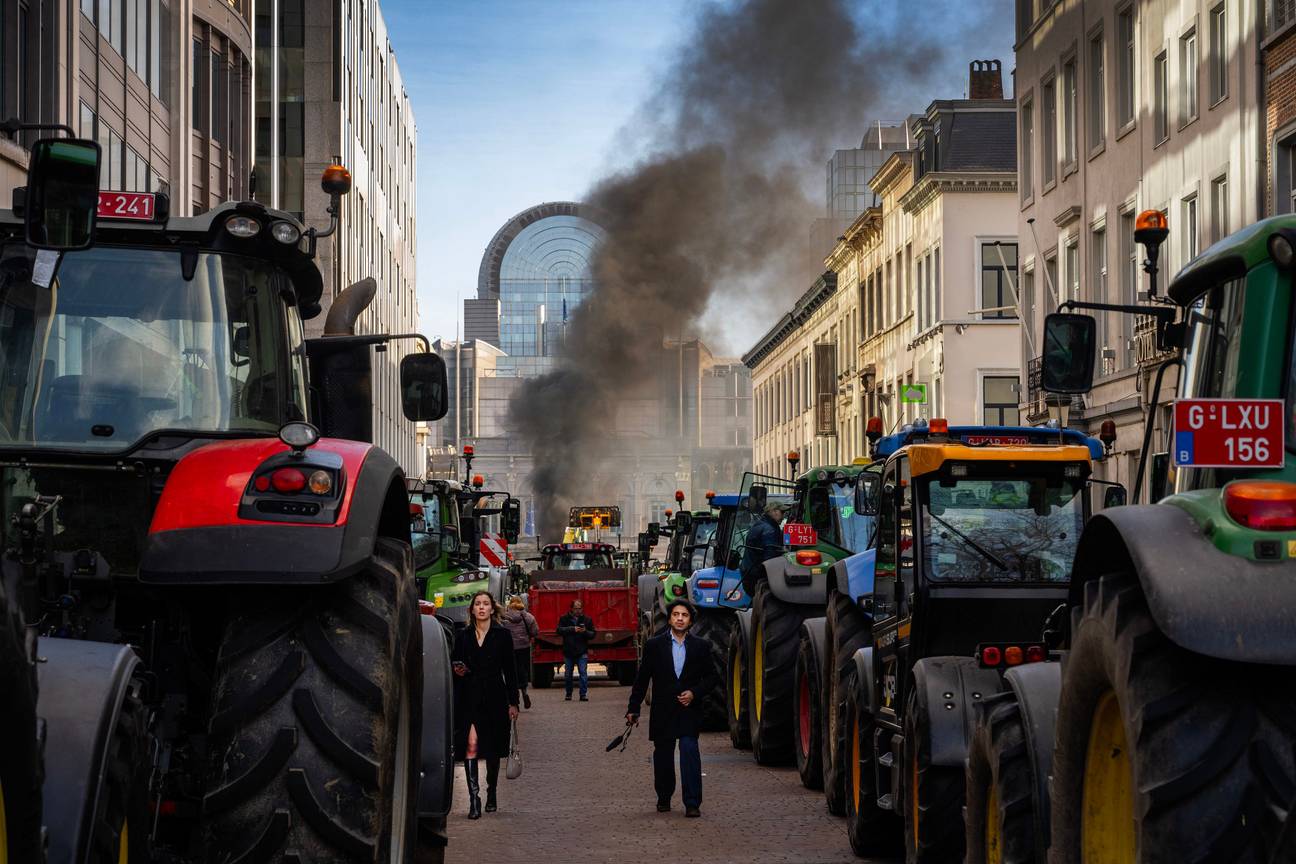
[680,669]
[764,541]
[577,630]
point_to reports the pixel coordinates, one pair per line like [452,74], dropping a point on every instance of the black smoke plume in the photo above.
[714,220]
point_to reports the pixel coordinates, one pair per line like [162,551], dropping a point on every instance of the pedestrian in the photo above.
[485,697]
[522,625]
[679,667]
[764,541]
[577,630]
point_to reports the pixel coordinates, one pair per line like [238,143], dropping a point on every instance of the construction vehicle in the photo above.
[585,572]
[977,530]
[449,539]
[220,595]
[1165,731]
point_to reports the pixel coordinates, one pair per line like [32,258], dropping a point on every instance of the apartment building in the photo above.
[1126,106]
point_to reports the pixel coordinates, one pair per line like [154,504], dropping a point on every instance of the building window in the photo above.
[110,22]
[198,72]
[1160,98]
[1189,228]
[998,271]
[1219,54]
[1188,81]
[1051,277]
[1072,264]
[1027,158]
[1048,98]
[87,122]
[1026,296]
[1098,294]
[219,97]
[999,400]
[1069,112]
[1128,286]
[1281,13]
[1097,94]
[1219,208]
[88,9]
[1126,73]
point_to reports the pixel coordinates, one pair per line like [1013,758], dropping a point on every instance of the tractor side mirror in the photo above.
[756,498]
[654,531]
[1068,360]
[1114,496]
[423,387]
[62,202]
[683,522]
[450,539]
[511,520]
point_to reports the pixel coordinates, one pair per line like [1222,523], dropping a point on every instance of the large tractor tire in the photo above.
[933,794]
[20,756]
[659,622]
[772,666]
[542,675]
[873,832]
[315,726]
[122,822]
[710,628]
[806,682]
[1163,755]
[1000,813]
[846,631]
[736,699]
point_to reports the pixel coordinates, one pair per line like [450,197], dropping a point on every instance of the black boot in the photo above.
[526,698]
[474,789]
[492,775]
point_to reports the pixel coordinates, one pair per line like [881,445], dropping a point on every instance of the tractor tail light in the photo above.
[1266,505]
[288,480]
[677,590]
[708,583]
[1035,654]
[809,558]
[1013,655]
[991,656]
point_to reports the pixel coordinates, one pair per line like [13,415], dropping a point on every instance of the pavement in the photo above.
[574,802]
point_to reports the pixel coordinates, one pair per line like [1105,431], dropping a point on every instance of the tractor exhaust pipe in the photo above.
[348,306]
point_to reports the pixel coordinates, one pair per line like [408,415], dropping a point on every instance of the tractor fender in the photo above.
[705,598]
[647,592]
[1038,687]
[816,630]
[863,661]
[1204,600]
[436,762]
[495,584]
[785,580]
[82,687]
[949,688]
[853,575]
[744,618]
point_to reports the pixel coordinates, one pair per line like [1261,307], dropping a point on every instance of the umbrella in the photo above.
[620,740]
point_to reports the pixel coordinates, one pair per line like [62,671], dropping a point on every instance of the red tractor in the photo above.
[210,641]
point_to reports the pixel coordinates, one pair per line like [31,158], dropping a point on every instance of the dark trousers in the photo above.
[690,770]
[522,663]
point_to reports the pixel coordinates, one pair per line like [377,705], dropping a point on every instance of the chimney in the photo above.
[985,79]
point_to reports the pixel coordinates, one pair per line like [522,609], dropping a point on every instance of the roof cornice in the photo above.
[935,183]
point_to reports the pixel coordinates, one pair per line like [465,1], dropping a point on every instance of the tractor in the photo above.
[977,530]
[212,647]
[690,536]
[1165,732]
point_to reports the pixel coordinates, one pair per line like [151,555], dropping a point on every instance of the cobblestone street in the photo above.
[574,802]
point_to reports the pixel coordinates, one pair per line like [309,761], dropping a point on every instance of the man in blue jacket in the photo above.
[764,541]
[679,667]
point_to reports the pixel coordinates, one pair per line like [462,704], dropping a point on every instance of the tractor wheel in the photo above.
[315,725]
[710,627]
[542,676]
[1000,811]
[20,757]
[659,622]
[122,820]
[933,795]
[808,749]
[772,666]
[736,688]
[845,632]
[873,832]
[1161,754]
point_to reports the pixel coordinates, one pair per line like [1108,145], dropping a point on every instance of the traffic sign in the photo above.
[913,394]
[1229,433]
[141,206]
[800,534]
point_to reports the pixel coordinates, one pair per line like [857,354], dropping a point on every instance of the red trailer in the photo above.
[584,571]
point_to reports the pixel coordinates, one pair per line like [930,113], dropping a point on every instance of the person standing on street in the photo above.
[522,625]
[577,630]
[485,697]
[764,541]
[679,666]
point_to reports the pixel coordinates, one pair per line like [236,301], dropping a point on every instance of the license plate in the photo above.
[138,206]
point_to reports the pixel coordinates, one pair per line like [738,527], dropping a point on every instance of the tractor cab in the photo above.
[577,556]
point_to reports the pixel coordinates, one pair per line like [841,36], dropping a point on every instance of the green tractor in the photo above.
[1166,731]
[447,526]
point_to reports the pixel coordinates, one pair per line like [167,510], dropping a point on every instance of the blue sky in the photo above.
[517,102]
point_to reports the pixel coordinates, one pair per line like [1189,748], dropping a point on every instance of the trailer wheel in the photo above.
[808,748]
[933,794]
[846,631]
[736,688]
[542,676]
[315,724]
[710,628]
[1000,811]
[20,757]
[772,667]
[872,831]
[1184,757]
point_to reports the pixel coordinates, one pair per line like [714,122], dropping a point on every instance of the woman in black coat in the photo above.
[486,697]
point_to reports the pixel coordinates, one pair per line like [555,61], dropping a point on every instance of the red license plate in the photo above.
[995,440]
[800,534]
[1229,433]
[141,206]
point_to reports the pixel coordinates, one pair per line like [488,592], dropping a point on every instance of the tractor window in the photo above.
[895,540]
[703,531]
[426,534]
[119,345]
[1010,529]
[849,529]
[1211,360]
[578,560]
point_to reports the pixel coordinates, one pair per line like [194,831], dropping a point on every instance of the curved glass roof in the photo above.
[557,247]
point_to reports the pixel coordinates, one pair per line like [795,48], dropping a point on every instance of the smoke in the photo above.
[709,231]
